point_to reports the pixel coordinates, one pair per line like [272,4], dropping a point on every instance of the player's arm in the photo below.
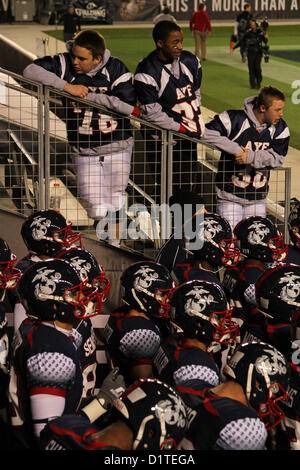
[272,157]
[121,96]
[49,77]
[147,93]
[217,133]
[50,375]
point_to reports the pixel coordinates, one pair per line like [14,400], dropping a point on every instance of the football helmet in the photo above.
[146,286]
[87,265]
[201,310]
[258,238]
[219,246]
[294,226]
[277,292]
[54,290]
[46,232]
[9,276]
[155,413]
[263,372]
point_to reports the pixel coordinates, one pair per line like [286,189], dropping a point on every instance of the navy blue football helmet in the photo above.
[54,290]
[155,413]
[201,310]
[264,373]
[258,238]
[46,232]
[87,265]
[146,286]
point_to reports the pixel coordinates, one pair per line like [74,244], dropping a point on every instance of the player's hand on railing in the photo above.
[77,90]
[241,158]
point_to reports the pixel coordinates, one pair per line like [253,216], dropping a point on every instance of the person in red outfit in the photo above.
[201,28]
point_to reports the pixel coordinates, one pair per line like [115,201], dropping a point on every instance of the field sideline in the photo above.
[225,82]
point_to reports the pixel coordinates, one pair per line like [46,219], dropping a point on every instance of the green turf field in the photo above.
[225,78]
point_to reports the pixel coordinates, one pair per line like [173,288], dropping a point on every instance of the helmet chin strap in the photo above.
[138,300]
[141,431]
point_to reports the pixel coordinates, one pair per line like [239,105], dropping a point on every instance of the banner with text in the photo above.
[145,10]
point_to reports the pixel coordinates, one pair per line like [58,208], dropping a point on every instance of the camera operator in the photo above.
[254,45]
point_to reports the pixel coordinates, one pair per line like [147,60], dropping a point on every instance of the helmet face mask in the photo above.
[84,300]
[67,238]
[279,248]
[9,276]
[270,412]
[225,330]
[231,255]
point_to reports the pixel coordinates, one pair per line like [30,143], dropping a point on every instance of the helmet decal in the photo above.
[271,365]
[144,278]
[258,231]
[197,300]
[173,411]
[39,227]
[291,289]
[211,228]
[47,282]
[82,265]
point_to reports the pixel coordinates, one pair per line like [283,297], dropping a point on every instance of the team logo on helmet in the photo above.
[39,227]
[211,228]
[82,266]
[273,365]
[258,232]
[197,300]
[173,410]
[46,285]
[144,278]
[291,291]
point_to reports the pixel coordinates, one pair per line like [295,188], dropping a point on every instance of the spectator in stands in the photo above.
[201,28]
[167,83]
[100,146]
[71,23]
[164,16]
[252,141]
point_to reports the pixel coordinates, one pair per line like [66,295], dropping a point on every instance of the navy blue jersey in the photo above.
[179,262]
[239,285]
[130,340]
[71,432]
[267,146]
[179,363]
[170,93]
[221,423]
[88,127]
[44,361]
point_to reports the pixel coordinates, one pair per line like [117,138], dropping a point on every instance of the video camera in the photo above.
[264,25]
